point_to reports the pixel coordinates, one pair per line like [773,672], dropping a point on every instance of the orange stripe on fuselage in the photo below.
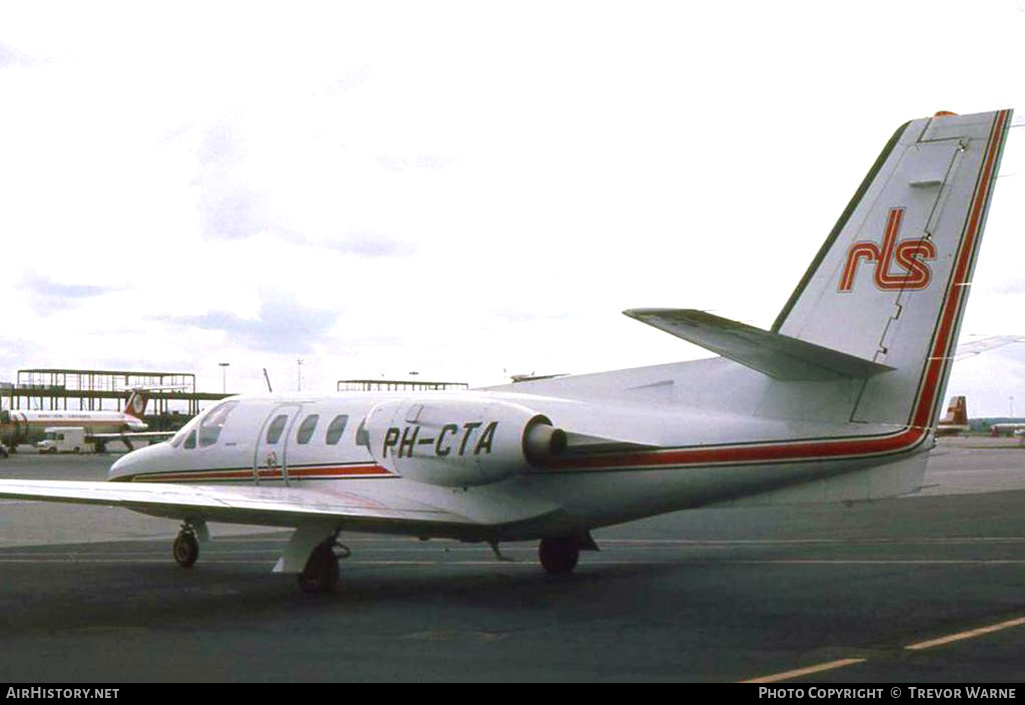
[303,472]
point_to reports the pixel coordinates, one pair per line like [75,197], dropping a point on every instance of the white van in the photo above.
[65,440]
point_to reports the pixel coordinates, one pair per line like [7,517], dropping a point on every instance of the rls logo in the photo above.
[909,255]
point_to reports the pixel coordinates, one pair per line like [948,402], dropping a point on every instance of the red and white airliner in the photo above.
[839,400]
[18,427]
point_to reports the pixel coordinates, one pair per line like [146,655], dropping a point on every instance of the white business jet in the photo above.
[838,401]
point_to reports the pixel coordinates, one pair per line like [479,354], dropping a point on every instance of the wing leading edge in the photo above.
[280,506]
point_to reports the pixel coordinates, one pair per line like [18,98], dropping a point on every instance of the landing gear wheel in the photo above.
[559,555]
[321,571]
[186,549]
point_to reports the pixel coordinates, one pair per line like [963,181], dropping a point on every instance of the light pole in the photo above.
[224,376]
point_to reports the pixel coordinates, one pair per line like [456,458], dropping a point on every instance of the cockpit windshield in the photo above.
[211,425]
[176,439]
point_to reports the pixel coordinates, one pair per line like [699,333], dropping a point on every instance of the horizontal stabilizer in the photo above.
[773,354]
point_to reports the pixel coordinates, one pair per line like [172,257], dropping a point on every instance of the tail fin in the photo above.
[957,412]
[891,282]
[136,404]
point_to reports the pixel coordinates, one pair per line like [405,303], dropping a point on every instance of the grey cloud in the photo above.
[362,244]
[283,326]
[39,284]
[371,244]
[391,163]
[10,57]
[228,208]
[433,162]
[48,296]
[1009,287]
[17,353]
[349,79]
[353,346]
[231,213]
[173,133]
[220,147]
[518,316]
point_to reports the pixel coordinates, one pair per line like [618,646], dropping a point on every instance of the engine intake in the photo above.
[460,442]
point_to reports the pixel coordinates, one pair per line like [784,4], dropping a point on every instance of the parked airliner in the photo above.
[839,400]
[18,427]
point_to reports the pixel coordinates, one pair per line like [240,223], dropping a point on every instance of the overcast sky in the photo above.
[465,190]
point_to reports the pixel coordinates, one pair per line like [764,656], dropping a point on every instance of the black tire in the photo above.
[321,571]
[186,550]
[559,555]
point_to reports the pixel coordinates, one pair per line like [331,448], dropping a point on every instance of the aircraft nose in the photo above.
[131,464]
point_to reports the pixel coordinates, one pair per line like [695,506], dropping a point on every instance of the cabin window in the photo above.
[190,442]
[211,425]
[336,429]
[275,428]
[306,428]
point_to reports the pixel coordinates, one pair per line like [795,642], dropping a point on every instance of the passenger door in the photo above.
[270,457]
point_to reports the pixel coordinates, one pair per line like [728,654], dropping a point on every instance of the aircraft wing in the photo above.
[280,506]
[130,436]
[977,347]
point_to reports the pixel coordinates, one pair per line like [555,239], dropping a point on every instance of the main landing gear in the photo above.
[186,547]
[321,571]
[559,554]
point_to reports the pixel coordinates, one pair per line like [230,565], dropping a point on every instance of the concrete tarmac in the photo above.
[912,590]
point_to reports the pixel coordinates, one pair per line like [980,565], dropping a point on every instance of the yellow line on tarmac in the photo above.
[832,665]
[775,678]
[971,634]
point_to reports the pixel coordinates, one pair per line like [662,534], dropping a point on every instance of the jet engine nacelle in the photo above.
[460,443]
[13,427]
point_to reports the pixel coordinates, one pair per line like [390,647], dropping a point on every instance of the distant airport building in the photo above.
[393,385]
[173,395]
